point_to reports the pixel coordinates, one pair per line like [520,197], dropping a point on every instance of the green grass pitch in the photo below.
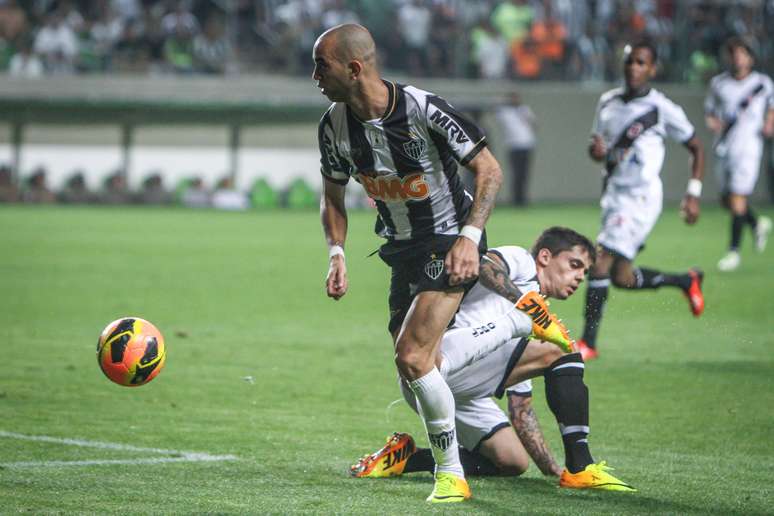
[262,366]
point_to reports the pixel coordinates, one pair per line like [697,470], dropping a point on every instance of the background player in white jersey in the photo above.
[628,135]
[739,110]
[486,352]
[403,145]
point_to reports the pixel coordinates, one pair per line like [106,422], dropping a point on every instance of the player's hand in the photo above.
[545,325]
[597,148]
[336,281]
[462,261]
[689,209]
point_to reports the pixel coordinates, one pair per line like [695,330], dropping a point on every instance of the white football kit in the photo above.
[484,347]
[634,133]
[742,105]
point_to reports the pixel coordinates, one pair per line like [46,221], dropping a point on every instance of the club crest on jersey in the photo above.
[416,147]
[634,130]
[434,269]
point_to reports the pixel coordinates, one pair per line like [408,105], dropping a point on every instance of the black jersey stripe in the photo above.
[360,149]
[461,201]
[397,130]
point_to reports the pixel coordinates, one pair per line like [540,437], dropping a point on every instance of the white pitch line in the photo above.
[179,455]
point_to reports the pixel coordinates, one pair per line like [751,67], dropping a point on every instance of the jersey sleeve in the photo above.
[677,125]
[520,264]
[333,166]
[460,134]
[523,389]
[595,128]
[770,96]
[711,103]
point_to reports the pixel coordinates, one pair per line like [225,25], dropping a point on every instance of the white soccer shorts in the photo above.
[737,172]
[628,216]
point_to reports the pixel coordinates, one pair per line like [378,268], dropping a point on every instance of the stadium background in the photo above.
[220,90]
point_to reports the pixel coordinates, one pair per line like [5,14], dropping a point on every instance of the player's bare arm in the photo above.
[462,261]
[525,422]
[690,204]
[768,125]
[494,276]
[333,215]
[714,124]
[597,148]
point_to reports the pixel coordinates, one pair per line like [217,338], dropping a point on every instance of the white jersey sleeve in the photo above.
[676,123]
[523,389]
[521,267]
[712,105]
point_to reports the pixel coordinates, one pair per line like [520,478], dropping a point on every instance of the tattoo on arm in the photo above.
[525,423]
[486,194]
[495,277]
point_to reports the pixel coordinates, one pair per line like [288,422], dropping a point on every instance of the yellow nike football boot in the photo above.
[449,488]
[595,476]
[545,325]
[388,461]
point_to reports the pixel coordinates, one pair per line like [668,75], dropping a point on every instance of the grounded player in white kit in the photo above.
[487,353]
[628,135]
[739,110]
[404,146]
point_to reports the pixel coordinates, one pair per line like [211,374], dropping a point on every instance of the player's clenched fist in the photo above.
[462,261]
[336,281]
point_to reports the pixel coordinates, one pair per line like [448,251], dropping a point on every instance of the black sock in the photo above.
[568,399]
[476,465]
[650,278]
[737,223]
[420,460]
[751,218]
[596,296]
[473,463]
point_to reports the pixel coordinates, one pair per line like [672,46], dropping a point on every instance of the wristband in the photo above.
[694,187]
[334,250]
[471,233]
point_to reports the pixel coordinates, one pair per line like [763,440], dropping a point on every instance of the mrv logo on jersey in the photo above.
[449,125]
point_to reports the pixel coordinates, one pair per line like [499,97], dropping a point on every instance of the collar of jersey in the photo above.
[640,95]
[392,100]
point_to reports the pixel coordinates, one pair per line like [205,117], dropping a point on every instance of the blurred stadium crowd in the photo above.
[190,192]
[519,39]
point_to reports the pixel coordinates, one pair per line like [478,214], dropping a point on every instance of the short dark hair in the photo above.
[646,43]
[739,41]
[557,239]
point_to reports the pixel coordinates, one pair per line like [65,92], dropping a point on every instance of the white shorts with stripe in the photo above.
[628,216]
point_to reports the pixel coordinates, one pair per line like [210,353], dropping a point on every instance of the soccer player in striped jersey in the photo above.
[628,135]
[403,145]
[739,110]
[487,353]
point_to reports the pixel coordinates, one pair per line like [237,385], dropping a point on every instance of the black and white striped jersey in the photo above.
[406,161]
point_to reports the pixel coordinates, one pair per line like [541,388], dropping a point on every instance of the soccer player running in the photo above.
[487,352]
[403,144]
[628,135]
[739,110]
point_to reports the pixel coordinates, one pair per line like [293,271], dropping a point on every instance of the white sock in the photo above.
[461,347]
[436,406]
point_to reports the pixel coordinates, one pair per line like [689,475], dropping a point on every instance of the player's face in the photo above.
[639,68]
[741,60]
[329,72]
[561,274]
